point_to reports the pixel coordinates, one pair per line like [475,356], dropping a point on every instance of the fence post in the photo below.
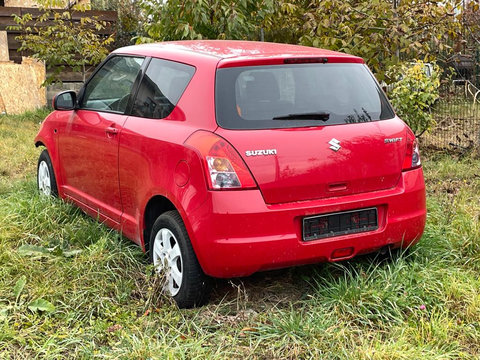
[477,67]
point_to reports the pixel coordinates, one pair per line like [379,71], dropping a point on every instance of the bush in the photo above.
[414,92]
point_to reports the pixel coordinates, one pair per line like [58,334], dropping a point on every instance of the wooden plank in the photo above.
[103,33]
[24,10]
[6,18]
[9,11]
[15,56]
[76,15]
[109,16]
[13,45]
[6,21]
[68,75]
[11,38]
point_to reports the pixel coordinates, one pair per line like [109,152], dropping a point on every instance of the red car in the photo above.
[224,158]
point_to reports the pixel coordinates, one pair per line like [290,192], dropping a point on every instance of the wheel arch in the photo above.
[156,206]
[48,142]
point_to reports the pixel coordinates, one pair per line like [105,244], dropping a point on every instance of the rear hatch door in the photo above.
[310,130]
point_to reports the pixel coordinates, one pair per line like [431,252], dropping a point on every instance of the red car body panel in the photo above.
[113,174]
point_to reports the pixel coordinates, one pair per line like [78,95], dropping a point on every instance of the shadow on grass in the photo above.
[283,287]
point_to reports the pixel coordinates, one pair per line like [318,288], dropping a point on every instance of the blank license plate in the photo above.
[341,223]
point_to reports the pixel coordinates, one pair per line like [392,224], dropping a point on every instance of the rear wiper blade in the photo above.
[323,116]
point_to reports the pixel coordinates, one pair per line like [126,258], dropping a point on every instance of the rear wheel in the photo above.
[46,181]
[173,257]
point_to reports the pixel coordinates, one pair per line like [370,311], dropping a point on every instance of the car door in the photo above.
[88,147]
[149,149]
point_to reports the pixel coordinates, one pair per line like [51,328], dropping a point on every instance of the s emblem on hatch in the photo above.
[335,144]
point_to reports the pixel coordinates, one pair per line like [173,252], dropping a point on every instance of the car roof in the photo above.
[232,51]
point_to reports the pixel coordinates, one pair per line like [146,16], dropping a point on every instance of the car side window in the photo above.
[110,87]
[162,86]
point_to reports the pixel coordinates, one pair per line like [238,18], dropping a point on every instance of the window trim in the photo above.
[131,101]
[135,86]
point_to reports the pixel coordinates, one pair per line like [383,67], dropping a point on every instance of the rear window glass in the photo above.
[298,95]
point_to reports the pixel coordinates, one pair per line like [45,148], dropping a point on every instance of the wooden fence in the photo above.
[6,20]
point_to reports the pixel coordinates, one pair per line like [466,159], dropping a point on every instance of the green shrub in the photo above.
[415,90]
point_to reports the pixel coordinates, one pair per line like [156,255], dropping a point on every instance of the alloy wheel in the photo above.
[167,259]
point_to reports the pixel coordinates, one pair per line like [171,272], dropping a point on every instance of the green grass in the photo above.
[420,305]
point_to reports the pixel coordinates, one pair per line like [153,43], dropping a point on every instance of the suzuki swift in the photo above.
[224,158]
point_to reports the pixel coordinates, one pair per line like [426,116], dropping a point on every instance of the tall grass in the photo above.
[424,304]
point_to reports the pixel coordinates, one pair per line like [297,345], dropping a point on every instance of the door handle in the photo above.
[111,130]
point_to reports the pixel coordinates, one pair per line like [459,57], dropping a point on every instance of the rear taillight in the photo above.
[224,167]
[412,154]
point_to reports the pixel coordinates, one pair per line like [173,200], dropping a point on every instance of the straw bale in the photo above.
[20,88]
[3,110]
[3,46]
[21,3]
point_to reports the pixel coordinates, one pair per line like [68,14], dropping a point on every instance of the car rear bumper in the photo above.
[234,233]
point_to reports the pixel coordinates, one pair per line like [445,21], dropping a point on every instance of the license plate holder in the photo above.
[339,223]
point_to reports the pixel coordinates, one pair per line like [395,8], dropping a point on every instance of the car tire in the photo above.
[173,256]
[46,180]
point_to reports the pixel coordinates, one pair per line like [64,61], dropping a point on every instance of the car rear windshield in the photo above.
[298,95]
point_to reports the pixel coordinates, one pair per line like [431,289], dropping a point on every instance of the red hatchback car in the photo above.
[224,158]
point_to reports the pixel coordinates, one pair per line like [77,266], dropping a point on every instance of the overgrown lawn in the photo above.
[71,288]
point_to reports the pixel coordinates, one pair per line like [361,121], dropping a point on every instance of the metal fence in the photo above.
[457,117]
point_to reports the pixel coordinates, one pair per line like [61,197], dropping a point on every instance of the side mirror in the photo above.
[65,100]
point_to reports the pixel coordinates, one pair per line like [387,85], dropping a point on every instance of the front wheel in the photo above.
[173,257]
[46,181]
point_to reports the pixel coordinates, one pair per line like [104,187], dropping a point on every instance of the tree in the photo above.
[60,41]
[382,32]
[130,18]
[471,25]
[204,19]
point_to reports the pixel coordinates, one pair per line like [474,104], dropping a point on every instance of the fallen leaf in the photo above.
[32,250]
[41,305]
[18,288]
[247,329]
[114,328]
[4,313]
[71,253]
